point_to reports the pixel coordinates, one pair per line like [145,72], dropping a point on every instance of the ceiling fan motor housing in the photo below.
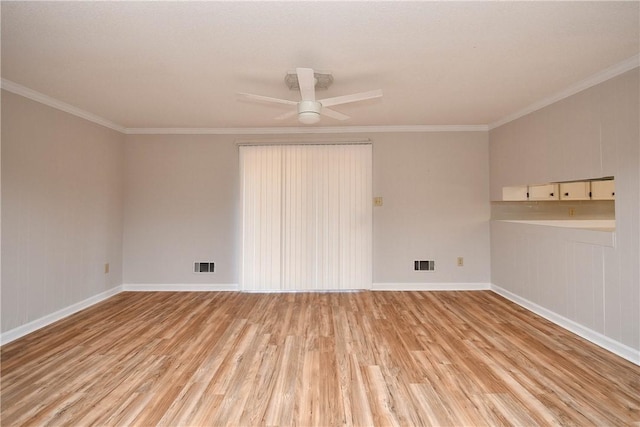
[309,112]
[322,80]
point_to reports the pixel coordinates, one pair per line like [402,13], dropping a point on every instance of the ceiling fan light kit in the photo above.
[308,108]
[309,112]
[308,117]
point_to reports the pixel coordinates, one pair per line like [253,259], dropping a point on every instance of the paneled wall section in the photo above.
[62,186]
[592,134]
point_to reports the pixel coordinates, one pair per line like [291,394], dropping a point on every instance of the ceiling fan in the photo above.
[308,108]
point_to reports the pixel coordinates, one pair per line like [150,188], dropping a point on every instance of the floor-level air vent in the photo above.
[424,265]
[203,267]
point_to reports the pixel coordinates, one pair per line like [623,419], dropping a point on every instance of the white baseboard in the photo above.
[34,325]
[177,287]
[303,291]
[596,338]
[430,286]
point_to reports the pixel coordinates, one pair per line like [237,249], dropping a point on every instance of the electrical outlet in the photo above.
[572,211]
[106,268]
[460,261]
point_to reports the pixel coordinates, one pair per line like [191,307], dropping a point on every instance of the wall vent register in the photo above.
[424,265]
[203,267]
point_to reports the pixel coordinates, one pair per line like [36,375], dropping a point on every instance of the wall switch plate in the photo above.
[377,201]
[460,261]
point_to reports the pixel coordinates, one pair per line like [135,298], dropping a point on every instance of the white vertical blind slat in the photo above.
[306,217]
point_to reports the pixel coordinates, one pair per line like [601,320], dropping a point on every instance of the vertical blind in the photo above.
[306,217]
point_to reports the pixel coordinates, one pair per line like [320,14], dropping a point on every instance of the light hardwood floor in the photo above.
[324,359]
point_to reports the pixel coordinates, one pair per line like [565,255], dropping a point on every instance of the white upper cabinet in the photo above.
[603,190]
[575,191]
[514,194]
[543,192]
[579,190]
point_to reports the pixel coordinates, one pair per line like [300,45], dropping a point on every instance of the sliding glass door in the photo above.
[306,217]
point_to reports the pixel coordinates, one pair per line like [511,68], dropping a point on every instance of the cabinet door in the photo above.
[514,193]
[603,190]
[574,191]
[543,192]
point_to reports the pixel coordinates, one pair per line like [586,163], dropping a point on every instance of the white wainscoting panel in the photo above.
[597,338]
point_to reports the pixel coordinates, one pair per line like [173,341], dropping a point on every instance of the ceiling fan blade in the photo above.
[333,114]
[287,115]
[307,83]
[268,99]
[345,99]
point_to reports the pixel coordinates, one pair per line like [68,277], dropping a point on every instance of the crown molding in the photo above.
[602,76]
[10,86]
[306,130]
[18,89]
[606,74]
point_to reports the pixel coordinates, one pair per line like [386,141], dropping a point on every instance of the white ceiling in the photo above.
[179,64]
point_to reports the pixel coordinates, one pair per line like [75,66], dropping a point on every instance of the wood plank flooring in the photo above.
[322,359]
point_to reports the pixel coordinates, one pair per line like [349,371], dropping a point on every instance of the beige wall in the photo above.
[182,201]
[181,206]
[62,193]
[435,189]
[592,134]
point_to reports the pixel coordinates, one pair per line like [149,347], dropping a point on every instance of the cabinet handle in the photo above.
[613,194]
[551,194]
[566,194]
